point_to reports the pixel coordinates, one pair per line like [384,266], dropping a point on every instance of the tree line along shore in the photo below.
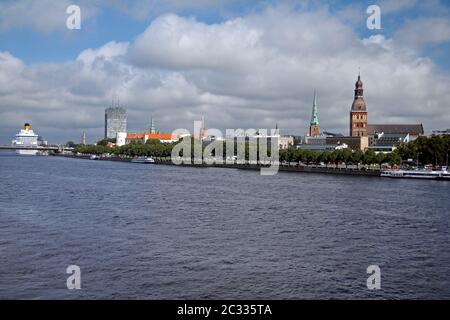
[426,150]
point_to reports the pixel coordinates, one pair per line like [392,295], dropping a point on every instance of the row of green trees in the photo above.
[428,150]
[346,156]
[151,148]
[164,150]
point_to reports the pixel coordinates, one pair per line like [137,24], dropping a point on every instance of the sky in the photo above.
[240,64]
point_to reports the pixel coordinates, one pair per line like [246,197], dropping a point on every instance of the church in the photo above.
[362,135]
[382,137]
[358,112]
[359,125]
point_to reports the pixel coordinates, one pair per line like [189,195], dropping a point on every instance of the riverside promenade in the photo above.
[282,167]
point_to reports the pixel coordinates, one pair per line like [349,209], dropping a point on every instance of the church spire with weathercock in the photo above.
[314,125]
[314,117]
[152,125]
[358,112]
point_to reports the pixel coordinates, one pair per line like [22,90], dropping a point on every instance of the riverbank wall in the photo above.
[282,168]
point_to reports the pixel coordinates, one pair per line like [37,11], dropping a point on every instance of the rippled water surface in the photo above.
[155,232]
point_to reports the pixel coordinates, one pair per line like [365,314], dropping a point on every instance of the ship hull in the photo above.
[143,160]
[27,152]
[423,175]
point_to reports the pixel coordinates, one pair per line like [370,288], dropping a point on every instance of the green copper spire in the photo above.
[314,116]
[152,125]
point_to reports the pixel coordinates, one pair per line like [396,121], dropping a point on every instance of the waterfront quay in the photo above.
[284,167]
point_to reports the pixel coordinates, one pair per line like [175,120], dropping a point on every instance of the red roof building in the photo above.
[144,137]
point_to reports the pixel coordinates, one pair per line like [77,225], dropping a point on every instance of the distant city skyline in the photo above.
[251,65]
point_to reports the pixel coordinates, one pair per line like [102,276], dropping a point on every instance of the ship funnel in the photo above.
[26,126]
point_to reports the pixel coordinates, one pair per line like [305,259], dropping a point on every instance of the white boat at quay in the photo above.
[442,174]
[26,138]
[143,160]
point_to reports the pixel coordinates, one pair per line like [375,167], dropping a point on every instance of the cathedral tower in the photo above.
[358,113]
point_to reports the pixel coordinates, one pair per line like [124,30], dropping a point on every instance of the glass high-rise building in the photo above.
[115,121]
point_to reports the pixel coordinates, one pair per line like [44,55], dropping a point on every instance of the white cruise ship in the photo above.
[26,138]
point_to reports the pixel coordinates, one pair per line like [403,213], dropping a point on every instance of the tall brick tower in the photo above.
[358,113]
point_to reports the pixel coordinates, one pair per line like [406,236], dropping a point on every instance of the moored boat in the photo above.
[143,159]
[26,138]
[442,174]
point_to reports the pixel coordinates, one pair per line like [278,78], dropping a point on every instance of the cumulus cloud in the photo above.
[49,16]
[108,52]
[175,42]
[251,72]
[420,32]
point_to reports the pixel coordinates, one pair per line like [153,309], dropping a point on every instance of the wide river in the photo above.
[165,232]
